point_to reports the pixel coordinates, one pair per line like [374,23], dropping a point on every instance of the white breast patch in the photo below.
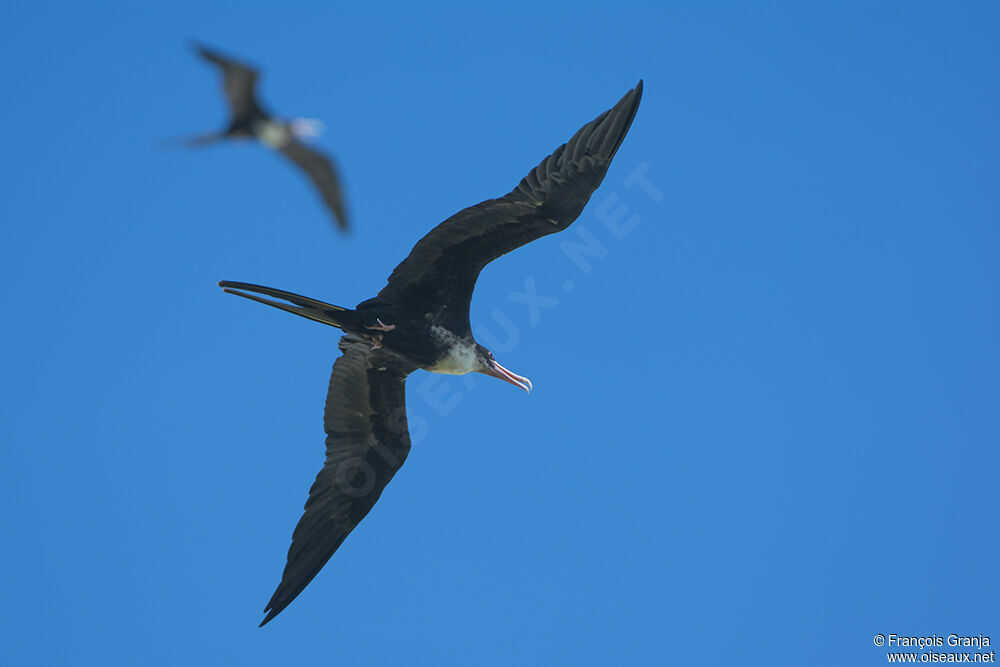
[273,133]
[461,357]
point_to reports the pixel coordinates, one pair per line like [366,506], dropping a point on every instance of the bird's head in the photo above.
[306,129]
[490,366]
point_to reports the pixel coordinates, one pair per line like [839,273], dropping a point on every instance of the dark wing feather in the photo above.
[238,80]
[367,441]
[321,172]
[442,268]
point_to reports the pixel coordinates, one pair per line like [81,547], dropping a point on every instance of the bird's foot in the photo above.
[376,342]
[382,326]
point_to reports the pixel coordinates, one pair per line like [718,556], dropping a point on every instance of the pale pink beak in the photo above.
[498,371]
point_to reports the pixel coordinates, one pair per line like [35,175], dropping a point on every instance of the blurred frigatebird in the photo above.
[249,120]
[420,319]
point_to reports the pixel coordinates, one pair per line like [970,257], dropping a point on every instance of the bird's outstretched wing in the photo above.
[443,266]
[323,175]
[238,80]
[367,441]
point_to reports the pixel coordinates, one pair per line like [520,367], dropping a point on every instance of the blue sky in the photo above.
[764,425]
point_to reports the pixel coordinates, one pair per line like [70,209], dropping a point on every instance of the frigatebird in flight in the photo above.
[249,120]
[420,319]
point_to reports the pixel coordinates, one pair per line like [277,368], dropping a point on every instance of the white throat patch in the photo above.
[461,357]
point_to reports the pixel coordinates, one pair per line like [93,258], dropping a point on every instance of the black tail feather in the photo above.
[303,306]
[193,140]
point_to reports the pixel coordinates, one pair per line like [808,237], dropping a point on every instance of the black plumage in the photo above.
[366,442]
[420,319]
[250,120]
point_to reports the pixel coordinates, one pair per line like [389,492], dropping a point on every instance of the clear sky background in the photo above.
[764,425]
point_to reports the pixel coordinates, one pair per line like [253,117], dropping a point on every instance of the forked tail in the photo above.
[193,140]
[303,306]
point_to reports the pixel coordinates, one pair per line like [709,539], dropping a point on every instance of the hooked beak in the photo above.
[498,371]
